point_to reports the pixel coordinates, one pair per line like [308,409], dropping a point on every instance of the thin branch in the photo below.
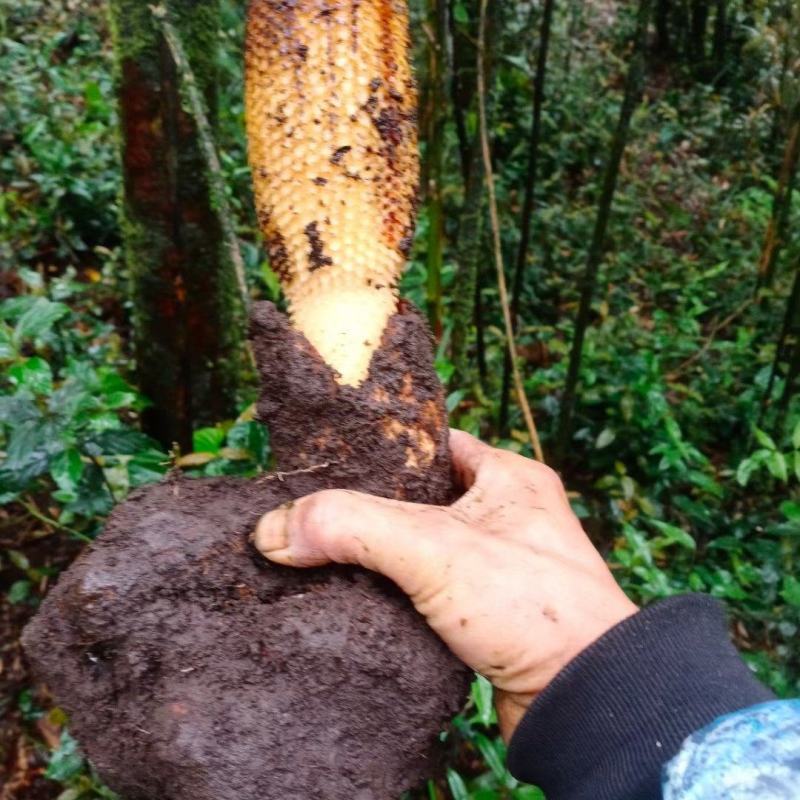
[498,252]
[34,512]
[713,333]
[205,134]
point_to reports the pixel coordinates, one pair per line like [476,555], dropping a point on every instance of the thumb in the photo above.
[409,543]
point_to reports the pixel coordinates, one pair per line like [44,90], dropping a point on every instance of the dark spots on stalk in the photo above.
[389,128]
[280,115]
[302,51]
[262,172]
[375,84]
[407,240]
[316,255]
[279,257]
[319,181]
[339,154]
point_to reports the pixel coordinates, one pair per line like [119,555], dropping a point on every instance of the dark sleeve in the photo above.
[608,722]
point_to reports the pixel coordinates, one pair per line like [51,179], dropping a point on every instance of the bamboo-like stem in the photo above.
[199,111]
[789,317]
[633,88]
[498,253]
[530,193]
[781,203]
[437,75]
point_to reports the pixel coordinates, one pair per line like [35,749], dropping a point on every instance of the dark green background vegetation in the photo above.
[682,454]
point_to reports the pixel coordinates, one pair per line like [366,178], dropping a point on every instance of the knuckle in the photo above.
[546,476]
[316,514]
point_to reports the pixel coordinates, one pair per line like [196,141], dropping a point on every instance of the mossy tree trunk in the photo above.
[187,328]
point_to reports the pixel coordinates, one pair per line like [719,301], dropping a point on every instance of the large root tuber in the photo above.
[193,670]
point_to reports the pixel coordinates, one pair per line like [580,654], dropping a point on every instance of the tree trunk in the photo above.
[720,35]
[188,334]
[633,89]
[527,205]
[466,300]
[462,87]
[781,204]
[697,40]
[467,256]
[437,76]
[663,42]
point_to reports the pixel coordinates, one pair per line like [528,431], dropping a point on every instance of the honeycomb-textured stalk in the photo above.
[331,123]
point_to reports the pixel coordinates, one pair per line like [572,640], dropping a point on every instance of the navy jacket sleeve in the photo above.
[614,716]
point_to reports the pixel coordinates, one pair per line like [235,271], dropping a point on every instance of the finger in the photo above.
[491,476]
[407,542]
[468,453]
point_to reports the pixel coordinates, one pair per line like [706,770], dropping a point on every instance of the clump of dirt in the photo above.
[192,669]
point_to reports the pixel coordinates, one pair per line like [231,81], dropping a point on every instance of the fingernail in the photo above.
[272,534]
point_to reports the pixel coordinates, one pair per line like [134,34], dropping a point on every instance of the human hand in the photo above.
[506,575]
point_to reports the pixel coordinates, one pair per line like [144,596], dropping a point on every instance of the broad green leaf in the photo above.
[671,534]
[460,14]
[764,439]
[605,438]
[791,510]
[453,400]
[118,442]
[492,756]
[483,697]
[208,440]
[38,319]
[18,408]
[778,467]
[457,786]
[19,592]
[796,436]
[745,471]
[7,349]
[18,559]
[66,469]
[65,761]
[791,590]
[33,374]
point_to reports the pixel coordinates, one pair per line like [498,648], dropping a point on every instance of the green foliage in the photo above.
[684,473]
[67,415]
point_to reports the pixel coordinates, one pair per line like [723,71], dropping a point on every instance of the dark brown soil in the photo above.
[192,669]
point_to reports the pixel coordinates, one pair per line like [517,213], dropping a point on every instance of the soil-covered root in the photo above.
[194,670]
